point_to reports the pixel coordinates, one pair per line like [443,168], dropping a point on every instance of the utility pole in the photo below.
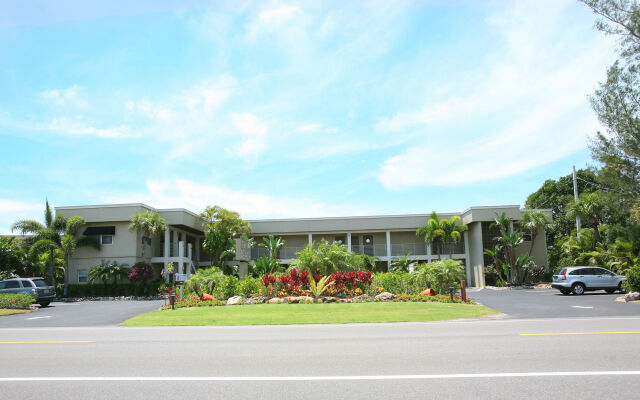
[575,197]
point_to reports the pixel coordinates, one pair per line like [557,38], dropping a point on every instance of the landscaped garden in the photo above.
[15,303]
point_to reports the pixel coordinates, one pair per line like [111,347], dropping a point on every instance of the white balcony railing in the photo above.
[377,250]
[415,249]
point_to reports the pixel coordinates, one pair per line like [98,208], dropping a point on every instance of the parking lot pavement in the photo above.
[549,303]
[82,313]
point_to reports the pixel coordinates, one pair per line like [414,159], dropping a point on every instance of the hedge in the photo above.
[16,301]
[124,289]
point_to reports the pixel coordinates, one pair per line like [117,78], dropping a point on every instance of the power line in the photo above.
[605,188]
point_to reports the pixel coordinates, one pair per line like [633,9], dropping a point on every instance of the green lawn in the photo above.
[332,313]
[11,311]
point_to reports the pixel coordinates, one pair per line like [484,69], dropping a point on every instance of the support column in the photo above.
[181,255]
[190,257]
[310,238]
[165,250]
[349,241]
[197,252]
[388,250]
[467,258]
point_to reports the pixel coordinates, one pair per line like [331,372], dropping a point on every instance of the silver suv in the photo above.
[577,280]
[36,287]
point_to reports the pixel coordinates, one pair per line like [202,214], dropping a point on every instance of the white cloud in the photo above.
[65,97]
[309,128]
[254,134]
[77,127]
[12,211]
[195,196]
[530,109]
[277,16]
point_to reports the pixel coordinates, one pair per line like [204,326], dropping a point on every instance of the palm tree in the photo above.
[495,254]
[432,231]
[69,243]
[502,222]
[535,222]
[149,223]
[590,207]
[46,237]
[509,240]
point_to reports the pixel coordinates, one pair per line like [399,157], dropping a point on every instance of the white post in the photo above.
[467,257]
[181,255]
[349,241]
[165,253]
[190,256]
[310,238]
[388,250]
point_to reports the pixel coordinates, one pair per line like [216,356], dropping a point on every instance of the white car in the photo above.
[578,280]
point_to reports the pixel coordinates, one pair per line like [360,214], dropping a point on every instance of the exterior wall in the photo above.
[403,243]
[539,252]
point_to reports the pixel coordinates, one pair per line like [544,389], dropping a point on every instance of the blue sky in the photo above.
[293,109]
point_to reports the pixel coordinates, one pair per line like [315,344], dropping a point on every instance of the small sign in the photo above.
[243,253]
[178,279]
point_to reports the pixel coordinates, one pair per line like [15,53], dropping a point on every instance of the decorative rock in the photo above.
[385,296]
[328,299]
[632,296]
[361,297]
[255,300]
[275,300]
[205,296]
[428,292]
[235,300]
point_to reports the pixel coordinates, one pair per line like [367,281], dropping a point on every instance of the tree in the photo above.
[447,232]
[509,240]
[69,243]
[46,238]
[221,227]
[534,221]
[591,209]
[11,256]
[149,224]
[403,263]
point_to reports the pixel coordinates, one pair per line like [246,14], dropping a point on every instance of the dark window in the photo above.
[340,239]
[107,239]
[100,230]
[11,285]
[577,272]
[26,284]
[40,282]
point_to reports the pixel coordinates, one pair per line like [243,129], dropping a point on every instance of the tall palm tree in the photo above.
[46,238]
[509,240]
[148,224]
[502,222]
[445,231]
[535,222]
[69,243]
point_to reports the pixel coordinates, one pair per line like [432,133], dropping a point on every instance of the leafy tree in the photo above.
[591,209]
[149,224]
[11,256]
[222,227]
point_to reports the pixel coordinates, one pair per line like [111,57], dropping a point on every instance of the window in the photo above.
[11,285]
[106,239]
[83,274]
[40,283]
[26,284]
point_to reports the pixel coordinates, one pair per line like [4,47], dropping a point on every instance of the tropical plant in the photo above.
[46,238]
[327,258]
[502,222]
[147,224]
[265,265]
[273,245]
[501,268]
[318,288]
[108,271]
[535,222]
[141,273]
[403,263]
[508,241]
[590,208]
[69,243]
[204,281]
[426,276]
[445,231]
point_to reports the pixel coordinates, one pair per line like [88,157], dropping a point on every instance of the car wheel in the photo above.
[46,303]
[610,291]
[620,288]
[577,289]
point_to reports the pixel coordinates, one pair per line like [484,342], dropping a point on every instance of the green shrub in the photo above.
[248,286]
[392,282]
[16,301]
[227,287]
[633,279]
[203,281]
[328,258]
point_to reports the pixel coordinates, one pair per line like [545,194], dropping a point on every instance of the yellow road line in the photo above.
[50,341]
[578,333]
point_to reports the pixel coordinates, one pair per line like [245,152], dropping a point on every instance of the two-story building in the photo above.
[385,237]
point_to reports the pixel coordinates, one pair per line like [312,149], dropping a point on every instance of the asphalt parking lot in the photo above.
[549,303]
[81,313]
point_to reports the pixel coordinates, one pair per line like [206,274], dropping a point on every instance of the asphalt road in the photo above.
[479,359]
[82,313]
[549,303]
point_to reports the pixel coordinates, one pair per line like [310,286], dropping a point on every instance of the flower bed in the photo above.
[16,301]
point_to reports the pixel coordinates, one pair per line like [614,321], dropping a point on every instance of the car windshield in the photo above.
[40,282]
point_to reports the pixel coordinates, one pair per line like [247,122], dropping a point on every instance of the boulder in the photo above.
[428,292]
[205,296]
[255,300]
[385,296]
[235,300]
[275,300]
[328,299]
[632,296]
[361,298]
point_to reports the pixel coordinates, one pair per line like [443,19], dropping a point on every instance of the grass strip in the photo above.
[289,314]
[11,311]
